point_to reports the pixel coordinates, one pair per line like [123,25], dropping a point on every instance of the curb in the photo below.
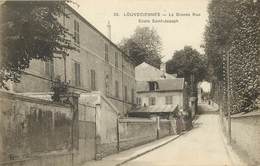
[145,152]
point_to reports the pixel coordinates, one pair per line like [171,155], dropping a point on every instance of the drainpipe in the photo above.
[64,56]
[123,97]
[118,135]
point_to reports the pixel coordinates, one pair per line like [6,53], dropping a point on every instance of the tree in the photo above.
[217,35]
[233,31]
[187,62]
[143,46]
[31,30]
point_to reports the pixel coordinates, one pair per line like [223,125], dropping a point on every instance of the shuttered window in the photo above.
[77,73]
[168,100]
[126,94]
[106,53]
[133,95]
[152,101]
[93,79]
[116,59]
[76,32]
[49,69]
[116,89]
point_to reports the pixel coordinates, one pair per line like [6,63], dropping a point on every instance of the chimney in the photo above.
[109,30]
[163,69]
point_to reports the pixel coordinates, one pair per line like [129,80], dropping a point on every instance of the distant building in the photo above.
[146,72]
[157,92]
[98,65]
[160,92]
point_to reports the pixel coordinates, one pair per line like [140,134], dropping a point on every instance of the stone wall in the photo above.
[165,128]
[245,134]
[136,131]
[87,133]
[33,130]
[106,115]
[61,159]
[113,133]
[106,127]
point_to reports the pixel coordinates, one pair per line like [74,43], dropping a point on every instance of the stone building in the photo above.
[98,65]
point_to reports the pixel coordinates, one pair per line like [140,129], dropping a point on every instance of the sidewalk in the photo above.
[232,153]
[125,156]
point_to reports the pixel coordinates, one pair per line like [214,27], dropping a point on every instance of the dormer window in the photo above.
[153,85]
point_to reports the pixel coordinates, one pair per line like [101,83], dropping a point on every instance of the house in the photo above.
[161,92]
[146,72]
[97,65]
[158,93]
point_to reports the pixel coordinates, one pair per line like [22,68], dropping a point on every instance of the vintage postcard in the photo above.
[129,82]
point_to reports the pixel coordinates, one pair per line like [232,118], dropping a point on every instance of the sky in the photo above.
[187,30]
[183,30]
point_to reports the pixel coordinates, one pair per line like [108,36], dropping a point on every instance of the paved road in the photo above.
[202,146]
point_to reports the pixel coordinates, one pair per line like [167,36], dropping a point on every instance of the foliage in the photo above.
[143,46]
[187,62]
[59,88]
[242,46]
[31,30]
[217,35]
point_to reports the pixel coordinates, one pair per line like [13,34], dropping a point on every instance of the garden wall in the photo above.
[106,116]
[87,133]
[245,134]
[136,131]
[34,131]
[165,128]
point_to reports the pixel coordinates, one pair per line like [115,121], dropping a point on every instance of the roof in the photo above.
[176,84]
[146,72]
[156,109]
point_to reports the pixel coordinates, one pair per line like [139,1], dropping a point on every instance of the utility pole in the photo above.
[228,98]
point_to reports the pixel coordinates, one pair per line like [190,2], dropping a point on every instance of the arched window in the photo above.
[153,85]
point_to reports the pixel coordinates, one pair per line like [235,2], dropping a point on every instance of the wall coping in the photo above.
[101,98]
[136,120]
[115,110]
[244,115]
[15,96]
[165,120]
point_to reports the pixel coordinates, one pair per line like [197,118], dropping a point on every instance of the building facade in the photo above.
[97,65]
[155,87]
[161,93]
